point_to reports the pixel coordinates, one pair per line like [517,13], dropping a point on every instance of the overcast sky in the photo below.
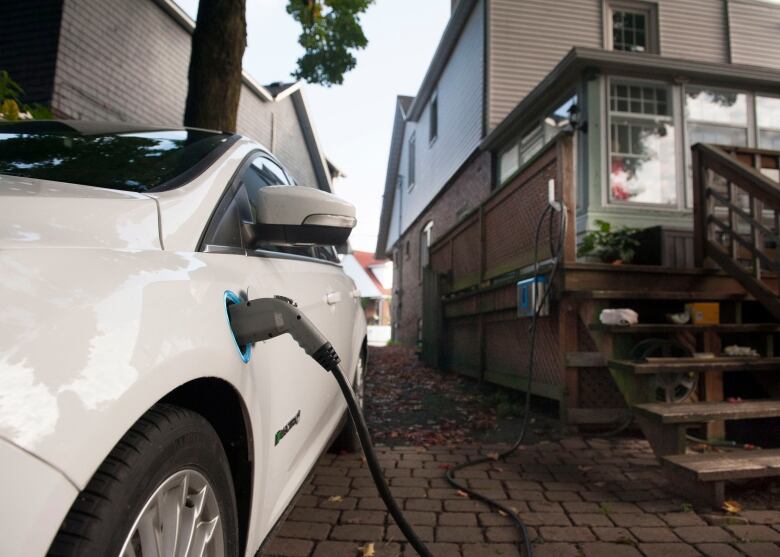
[353,120]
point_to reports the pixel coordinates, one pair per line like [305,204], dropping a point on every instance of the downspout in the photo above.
[401,254]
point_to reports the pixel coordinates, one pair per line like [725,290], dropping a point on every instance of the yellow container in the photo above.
[704,313]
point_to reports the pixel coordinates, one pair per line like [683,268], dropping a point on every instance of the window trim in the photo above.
[433,118]
[411,161]
[758,127]
[425,232]
[224,203]
[649,9]
[673,118]
[527,130]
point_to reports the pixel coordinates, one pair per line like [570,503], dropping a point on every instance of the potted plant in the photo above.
[609,246]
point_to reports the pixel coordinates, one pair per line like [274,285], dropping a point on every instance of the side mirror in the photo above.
[299,216]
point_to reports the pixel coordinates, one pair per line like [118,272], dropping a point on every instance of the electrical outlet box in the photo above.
[530,293]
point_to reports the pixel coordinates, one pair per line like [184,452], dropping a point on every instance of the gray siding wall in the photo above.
[694,29]
[127,60]
[523,47]
[121,60]
[755,33]
[460,101]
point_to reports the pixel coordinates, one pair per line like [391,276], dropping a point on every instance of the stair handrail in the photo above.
[763,194]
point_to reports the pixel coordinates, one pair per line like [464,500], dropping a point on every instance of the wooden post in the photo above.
[568,343]
[699,216]
[567,186]
[713,385]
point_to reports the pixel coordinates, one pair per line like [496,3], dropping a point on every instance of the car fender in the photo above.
[91,339]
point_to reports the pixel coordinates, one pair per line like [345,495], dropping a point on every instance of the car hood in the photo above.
[41,213]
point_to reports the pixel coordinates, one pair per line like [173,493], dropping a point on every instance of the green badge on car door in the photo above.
[286,429]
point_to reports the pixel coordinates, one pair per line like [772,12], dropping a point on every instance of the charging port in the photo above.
[244,351]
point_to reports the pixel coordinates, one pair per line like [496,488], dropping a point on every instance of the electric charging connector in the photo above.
[267,318]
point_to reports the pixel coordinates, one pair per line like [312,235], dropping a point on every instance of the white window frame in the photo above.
[648,9]
[411,162]
[759,127]
[433,116]
[674,119]
[425,234]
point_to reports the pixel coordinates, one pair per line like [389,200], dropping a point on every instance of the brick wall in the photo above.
[127,60]
[464,193]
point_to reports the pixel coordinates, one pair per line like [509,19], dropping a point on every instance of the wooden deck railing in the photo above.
[737,216]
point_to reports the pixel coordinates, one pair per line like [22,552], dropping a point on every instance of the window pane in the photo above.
[531,143]
[646,173]
[720,135]
[769,139]
[639,99]
[722,107]
[509,163]
[768,112]
[629,31]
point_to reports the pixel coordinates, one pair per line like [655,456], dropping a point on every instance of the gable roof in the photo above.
[402,105]
[449,40]
[359,265]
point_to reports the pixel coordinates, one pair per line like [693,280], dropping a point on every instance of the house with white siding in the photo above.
[633,84]
[659,115]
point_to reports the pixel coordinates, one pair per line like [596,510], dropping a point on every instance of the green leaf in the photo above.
[331,31]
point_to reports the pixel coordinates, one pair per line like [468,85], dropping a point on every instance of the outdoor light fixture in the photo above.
[575,117]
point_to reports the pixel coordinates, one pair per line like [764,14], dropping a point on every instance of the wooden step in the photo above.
[676,296]
[655,328]
[702,412]
[703,476]
[686,365]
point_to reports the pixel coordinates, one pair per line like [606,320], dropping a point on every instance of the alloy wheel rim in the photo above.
[180,519]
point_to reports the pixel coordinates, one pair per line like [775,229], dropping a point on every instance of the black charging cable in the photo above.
[555,253]
[266,318]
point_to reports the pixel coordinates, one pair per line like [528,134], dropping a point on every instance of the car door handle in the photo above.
[333,298]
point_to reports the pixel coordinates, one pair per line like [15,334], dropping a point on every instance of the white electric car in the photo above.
[131,423]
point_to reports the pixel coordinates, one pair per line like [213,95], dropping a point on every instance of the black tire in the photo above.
[163,441]
[347,439]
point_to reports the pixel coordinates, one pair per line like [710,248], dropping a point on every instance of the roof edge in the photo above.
[449,40]
[393,159]
[580,59]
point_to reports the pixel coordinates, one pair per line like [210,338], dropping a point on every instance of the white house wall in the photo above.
[460,102]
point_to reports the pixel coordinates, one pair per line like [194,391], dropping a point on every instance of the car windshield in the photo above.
[106,156]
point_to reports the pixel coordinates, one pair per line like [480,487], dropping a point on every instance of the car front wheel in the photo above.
[165,490]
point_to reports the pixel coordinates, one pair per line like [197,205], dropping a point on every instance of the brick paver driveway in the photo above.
[579,497]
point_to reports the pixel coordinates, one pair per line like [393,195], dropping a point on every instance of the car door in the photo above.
[297,399]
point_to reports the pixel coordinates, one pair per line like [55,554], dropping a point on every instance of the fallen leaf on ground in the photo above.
[367,550]
[461,493]
[732,507]
[335,498]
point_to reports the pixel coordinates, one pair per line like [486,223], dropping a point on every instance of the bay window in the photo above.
[642,158]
